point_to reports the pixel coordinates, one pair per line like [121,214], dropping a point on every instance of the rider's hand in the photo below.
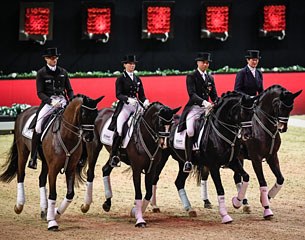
[207,106]
[55,104]
[132,101]
[146,103]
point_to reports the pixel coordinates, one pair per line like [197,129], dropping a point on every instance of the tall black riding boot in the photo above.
[188,166]
[35,142]
[114,158]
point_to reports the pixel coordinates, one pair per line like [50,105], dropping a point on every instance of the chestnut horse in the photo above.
[60,151]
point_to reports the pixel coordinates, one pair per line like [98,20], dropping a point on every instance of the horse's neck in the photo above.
[71,118]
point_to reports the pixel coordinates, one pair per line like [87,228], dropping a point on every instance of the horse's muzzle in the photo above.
[282,127]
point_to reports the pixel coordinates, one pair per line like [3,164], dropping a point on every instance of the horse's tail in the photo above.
[11,165]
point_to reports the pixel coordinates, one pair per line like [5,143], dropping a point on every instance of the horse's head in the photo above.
[282,107]
[88,116]
[161,119]
[275,105]
[235,110]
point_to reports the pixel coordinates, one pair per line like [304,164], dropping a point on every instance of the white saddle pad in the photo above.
[179,140]
[26,132]
[106,136]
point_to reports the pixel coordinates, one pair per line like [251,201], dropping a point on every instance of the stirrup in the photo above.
[115,161]
[188,167]
[32,164]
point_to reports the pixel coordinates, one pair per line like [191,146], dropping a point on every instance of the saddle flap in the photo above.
[27,131]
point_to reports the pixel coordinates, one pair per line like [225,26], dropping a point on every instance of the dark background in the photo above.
[178,53]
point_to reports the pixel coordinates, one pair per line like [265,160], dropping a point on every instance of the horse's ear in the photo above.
[296,94]
[99,99]
[176,110]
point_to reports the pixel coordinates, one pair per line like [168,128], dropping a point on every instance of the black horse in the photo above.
[228,123]
[270,118]
[143,152]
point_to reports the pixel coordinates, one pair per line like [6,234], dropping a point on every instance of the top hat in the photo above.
[50,52]
[129,59]
[203,56]
[253,54]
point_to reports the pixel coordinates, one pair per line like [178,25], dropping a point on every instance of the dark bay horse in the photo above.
[143,152]
[270,118]
[228,123]
[60,152]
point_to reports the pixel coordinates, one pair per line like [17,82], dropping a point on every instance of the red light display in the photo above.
[37,21]
[274,18]
[99,20]
[217,19]
[158,20]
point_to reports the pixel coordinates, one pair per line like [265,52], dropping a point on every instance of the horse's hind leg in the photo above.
[43,190]
[274,165]
[204,187]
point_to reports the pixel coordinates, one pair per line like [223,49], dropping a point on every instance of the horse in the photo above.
[60,151]
[142,153]
[270,118]
[225,127]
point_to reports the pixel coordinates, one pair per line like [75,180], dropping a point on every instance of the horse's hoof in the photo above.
[192,213]
[156,210]
[18,209]
[208,204]
[247,208]
[226,219]
[106,207]
[268,214]
[52,225]
[85,208]
[140,223]
[43,215]
[236,203]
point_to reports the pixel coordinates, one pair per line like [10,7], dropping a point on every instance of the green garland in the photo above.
[166,72]
[14,110]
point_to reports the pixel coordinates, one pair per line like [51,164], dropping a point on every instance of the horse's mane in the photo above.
[228,94]
[152,105]
[273,87]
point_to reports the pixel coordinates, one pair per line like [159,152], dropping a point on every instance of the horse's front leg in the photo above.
[258,169]
[159,168]
[52,175]
[43,190]
[107,169]
[93,151]
[274,165]
[137,209]
[238,169]
[204,187]
[180,184]
[215,174]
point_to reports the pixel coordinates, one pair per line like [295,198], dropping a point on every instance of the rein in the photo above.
[78,132]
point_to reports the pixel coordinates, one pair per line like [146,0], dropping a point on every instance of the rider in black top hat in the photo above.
[200,87]
[54,89]
[249,80]
[129,90]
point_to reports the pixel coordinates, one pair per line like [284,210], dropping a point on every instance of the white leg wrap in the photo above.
[184,199]
[274,190]
[20,194]
[204,190]
[43,198]
[63,207]
[51,210]
[88,193]
[225,218]
[153,200]
[138,212]
[238,186]
[264,196]
[144,205]
[243,189]
[107,187]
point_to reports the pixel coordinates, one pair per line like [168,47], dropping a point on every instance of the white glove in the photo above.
[55,104]
[146,103]
[132,101]
[207,105]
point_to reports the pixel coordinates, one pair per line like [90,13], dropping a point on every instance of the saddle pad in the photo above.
[106,136]
[179,140]
[26,132]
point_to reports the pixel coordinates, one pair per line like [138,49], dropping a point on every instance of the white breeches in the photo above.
[48,109]
[123,116]
[191,117]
